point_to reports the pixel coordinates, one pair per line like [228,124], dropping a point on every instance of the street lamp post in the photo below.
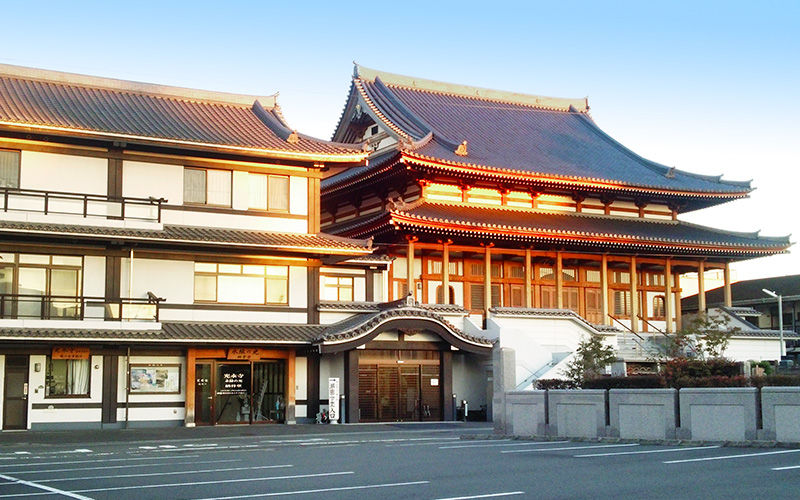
[780,317]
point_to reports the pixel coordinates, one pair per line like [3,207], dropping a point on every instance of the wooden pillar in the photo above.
[559,282]
[313,296]
[727,273]
[410,267]
[678,311]
[528,273]
[291,385]
[634,297]
[351,385]
[604,289]
[668,295]
[701,287]
[312,382]
[487,280]
[191,379]
[446,271]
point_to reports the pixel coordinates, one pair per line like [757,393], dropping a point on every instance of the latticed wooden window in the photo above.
[9,168]
[658,307]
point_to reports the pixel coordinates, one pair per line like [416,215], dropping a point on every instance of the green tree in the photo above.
[590,360]
[712,333]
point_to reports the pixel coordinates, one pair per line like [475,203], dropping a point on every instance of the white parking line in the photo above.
[45,488]
[787,468]
[320,490]
[494,445]
[220,481]
[180,472]
[645,452]
[36,464]
[134,466]
[490,495]
[433,443]
[571,448]
[729,457]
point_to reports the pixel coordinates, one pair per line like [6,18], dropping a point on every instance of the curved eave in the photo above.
[377,114]
[399,321]
[361,176]
[271,153]
[590,184]
[193,243]
[614,241]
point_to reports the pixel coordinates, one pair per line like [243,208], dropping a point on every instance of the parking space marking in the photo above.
[646,452]
[221,481]
[30,464]
[489,495]
[433,443]
[319,490]
[134,466]
[49,489]
[566,448]
[731,457]
[494,445]
[790,467]
[202,471]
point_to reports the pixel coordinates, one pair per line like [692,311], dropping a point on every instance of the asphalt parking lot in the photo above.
[387,462]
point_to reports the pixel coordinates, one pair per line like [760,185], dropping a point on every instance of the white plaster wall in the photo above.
[298,196]
[94,276]
[150,414]
[228,316]
[65,173]
[142,180]
[241,191]
[301,385]
[237,221]
[170,279]
[757,349]
[298,286]
[36,394]
[469,381]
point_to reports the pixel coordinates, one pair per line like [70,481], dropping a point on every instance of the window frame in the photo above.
[265,276]
[269,180]
[338,287]
[18,154]
[205,202]
[48,378]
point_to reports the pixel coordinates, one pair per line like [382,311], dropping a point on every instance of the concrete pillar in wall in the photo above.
[351,385]
[487,280]
[446,374]
[504,363]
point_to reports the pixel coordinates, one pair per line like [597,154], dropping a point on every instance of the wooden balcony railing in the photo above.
[85,205]
[63,307]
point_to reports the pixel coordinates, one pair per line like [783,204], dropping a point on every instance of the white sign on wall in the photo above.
[333,399]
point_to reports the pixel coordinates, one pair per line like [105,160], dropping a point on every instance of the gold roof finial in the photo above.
[293,138]
[461,150]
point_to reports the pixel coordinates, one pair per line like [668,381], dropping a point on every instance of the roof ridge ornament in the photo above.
[670,173]
[461,150]
[293,138]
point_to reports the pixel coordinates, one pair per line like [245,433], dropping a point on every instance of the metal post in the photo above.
[780,325]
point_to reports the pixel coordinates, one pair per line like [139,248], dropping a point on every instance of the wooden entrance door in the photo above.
[15,404]
[390,393]
[203,395]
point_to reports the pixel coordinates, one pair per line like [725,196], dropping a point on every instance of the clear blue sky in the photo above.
[706,86]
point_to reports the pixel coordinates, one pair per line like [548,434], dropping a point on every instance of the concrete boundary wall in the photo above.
[737,414]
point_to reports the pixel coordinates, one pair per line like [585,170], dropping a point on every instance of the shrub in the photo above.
[554,383]
[776,380]
[632,382]
[714,381]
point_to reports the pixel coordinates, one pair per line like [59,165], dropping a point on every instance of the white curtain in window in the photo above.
[258,191]
[79,385]
[194,185]
[278,193]
[219,187]
[9,169]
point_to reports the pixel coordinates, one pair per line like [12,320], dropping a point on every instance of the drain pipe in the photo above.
[127,385]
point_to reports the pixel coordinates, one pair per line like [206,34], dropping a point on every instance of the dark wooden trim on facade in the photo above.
[313,296]
[110,383]
[313,384]
[351,386]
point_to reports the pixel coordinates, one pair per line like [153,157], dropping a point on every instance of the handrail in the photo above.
[51,198]
[71,307]
[625,326]
[689,345]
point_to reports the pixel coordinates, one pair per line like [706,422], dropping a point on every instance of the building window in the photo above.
[337,288]
[207,187]
[593,276]
[622,303]
[440,295]
[658,307]
[9,168]
[269,192]
[40,286]
[241,283]
[67,377]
